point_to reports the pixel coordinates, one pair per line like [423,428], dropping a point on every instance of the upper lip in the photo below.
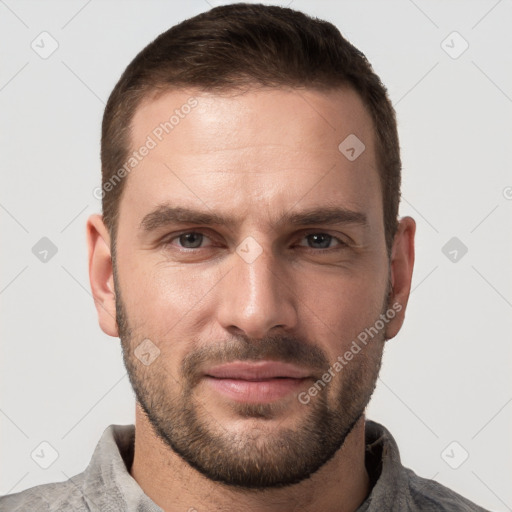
[257,370]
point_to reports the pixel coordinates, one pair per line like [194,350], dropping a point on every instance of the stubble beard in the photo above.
[264,454]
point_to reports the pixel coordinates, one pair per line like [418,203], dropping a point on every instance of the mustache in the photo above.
[282,348]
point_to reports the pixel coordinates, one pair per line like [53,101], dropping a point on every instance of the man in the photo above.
[251,260]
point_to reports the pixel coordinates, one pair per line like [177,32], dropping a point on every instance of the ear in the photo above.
[101,274]
[402,263]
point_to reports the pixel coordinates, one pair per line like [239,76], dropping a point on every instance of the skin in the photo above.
[255,157]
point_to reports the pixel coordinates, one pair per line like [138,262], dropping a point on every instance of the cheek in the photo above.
[335,309]
[166,301]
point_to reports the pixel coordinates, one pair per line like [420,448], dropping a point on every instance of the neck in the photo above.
[340,485]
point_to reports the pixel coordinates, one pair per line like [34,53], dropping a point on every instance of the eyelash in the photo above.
[340,243]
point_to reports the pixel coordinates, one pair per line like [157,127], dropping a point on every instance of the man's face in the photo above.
[287,265]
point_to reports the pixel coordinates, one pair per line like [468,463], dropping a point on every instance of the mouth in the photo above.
[256,382]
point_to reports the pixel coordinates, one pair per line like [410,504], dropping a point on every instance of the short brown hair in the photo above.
[240,45]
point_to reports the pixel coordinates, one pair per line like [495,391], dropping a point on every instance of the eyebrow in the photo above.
[166,214]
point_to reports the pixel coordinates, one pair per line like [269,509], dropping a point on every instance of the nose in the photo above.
[257,296]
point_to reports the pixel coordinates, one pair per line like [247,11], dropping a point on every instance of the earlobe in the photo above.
[101,274]
[402,263]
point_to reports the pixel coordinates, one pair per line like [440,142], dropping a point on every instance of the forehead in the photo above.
[259,152]
[290,117]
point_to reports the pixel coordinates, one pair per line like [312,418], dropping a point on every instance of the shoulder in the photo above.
[54,497]
[397,488]
[99,487]
[431,496]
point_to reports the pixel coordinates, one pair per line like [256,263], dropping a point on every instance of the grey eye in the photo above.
[319,240]
[191,240]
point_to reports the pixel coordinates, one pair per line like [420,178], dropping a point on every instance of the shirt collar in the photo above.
[108,484]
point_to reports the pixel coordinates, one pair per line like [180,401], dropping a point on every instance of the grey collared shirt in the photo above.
[106,484]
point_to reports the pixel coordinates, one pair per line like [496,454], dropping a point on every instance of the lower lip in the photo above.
[267,390]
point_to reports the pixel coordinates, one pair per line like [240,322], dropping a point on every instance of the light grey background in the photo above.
[445,378]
